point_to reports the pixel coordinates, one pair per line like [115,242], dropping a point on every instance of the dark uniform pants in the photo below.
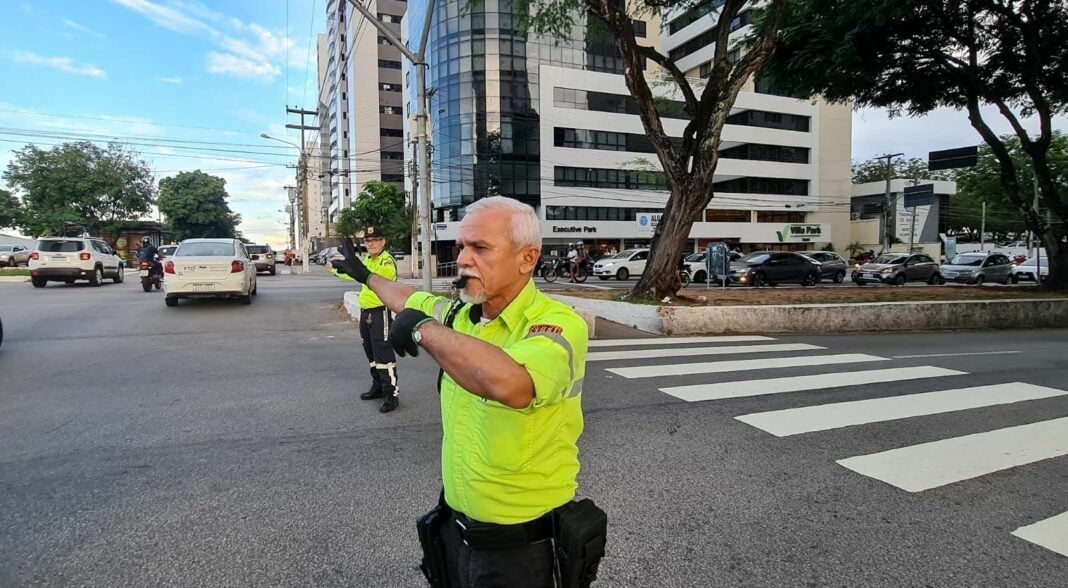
[529,565]
[374,329]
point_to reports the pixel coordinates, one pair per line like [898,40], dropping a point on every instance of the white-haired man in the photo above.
[513,361]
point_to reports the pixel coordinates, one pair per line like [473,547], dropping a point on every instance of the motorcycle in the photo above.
[151,275]
[553,269]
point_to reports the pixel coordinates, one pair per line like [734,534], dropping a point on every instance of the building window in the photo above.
[707,38]
[690,16]
[389,18]
[619,179]
[393,178]
[706,69]
[780,216]
[760,152]
[391,133]
[393,155]
[389,87]
[770,120]
[639,29]
[752,185]
[558,213]
[389,64]
[604,102]
[383,41]
[604,140]
[726,216]
[390,109]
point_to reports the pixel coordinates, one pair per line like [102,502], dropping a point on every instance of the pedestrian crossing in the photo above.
[912,468]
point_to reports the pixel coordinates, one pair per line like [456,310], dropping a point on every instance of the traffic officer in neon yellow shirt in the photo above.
[513,363]
[375,321]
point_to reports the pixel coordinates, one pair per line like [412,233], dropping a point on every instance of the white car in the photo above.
[66,259]
[209,268]
[1026,271]
[622,265]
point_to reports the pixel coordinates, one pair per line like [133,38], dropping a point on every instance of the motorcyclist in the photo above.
[149,252]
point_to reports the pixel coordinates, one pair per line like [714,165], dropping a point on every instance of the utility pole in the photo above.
[982,229]
[419,61]
[888,212]
[413,169]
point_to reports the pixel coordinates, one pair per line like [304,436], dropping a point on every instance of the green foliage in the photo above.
[10,209]
[854,248]
[79,183]
[874,170]
[379,205]
[194,206]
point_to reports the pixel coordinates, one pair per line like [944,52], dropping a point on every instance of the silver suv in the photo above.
[263,257]
[14,255]
[66,259]
[979,267]
[898,268]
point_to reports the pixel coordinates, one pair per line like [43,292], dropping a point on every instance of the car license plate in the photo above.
[143,273]
[203,287]
[868,275]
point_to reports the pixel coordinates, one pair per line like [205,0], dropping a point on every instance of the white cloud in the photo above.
[64,64]
[875,133]
[226,63]
[166,17]
[82,28]
[174,80]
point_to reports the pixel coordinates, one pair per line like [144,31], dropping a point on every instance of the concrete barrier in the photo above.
[352,304]
[865,317]
[640,316]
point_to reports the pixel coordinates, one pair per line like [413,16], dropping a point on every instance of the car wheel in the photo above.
[119,276]
[899,279]
[979,280]
[622,274]
[247,298]
[759,279]
[273,271]
[935,280]
[1010,279]
[39,282]
[699,277]
[171,301]
[810,279]
[255,289]
[839,277]
[68,281]
[98,277]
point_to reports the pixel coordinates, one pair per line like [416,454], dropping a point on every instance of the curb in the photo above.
[14,279]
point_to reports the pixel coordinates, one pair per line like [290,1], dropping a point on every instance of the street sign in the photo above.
[717,262]
[646,223]
[922,195]
[953,158]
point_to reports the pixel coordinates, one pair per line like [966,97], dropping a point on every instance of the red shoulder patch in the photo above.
[546,329]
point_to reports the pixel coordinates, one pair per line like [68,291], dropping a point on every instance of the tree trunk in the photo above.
[1057,258]
[660,280]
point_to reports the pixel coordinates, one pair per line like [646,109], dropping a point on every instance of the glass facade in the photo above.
[485,109]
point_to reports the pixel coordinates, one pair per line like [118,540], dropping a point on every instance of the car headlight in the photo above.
[888,270]
[608,265]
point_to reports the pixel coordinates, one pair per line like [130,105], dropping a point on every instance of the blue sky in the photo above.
[161,75]
[158,74]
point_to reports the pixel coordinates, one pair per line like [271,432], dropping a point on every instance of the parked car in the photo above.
[831,265]
[396,252]
[899,268]
[698,267]
[1027,270]
[622,265]
[14,255]
[979,267]
[66,259]
[262,257]
[767,268]
[209,268]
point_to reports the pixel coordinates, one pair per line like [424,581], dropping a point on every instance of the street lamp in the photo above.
[302,179]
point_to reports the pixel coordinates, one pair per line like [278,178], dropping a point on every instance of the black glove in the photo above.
[403,329]
[351,265]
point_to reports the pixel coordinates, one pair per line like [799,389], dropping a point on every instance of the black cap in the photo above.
[373,233]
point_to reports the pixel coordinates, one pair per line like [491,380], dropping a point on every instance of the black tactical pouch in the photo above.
[581,532]
[429,527]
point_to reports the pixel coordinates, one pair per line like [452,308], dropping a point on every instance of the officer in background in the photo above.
[513,361]
[375,321]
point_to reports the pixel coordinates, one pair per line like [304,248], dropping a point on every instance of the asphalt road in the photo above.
[220,444]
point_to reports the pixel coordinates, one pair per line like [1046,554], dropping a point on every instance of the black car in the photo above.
[832,266]
[762,268]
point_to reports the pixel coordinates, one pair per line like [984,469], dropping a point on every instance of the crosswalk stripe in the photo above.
[742,388]
[678,340]
[930,465]
[741,365]
[794,421]
[1051,533]
[694,351]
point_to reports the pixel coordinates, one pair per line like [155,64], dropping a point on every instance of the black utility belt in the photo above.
[479,535]
[373,308]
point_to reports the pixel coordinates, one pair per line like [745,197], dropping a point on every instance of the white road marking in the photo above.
[741,365]
[678,340]
[954,354]
[782,423]
[694,351]
[934,464]
[1051,533]
[738,389]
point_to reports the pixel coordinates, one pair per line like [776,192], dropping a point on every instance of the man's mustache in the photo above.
[461,282]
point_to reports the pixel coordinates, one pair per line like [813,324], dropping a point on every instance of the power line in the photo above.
[125,120]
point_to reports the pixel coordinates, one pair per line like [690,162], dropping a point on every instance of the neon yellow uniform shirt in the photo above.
[504,465]
[383,265]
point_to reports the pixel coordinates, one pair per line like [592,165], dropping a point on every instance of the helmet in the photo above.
[146,240]
[579,243]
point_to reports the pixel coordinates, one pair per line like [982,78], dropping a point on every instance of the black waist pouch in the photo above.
[429,527]
[581,532]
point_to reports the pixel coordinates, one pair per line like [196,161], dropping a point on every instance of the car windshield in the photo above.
[205,249]
[890,259]
[257,249]
[6,247]
[696,257]
[58,246]
[624,254]
[167,250]
[756,257]
[968,260]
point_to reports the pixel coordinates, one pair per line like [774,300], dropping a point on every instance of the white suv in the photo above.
[66,259]
[622,265]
